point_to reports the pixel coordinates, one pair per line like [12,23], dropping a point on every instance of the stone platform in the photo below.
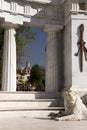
[40,124]
[29,104]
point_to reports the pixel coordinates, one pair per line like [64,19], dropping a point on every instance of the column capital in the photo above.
[8,25]
[52,28]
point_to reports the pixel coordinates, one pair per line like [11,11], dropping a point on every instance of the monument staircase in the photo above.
[29,104]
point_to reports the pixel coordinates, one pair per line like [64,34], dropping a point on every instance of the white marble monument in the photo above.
[60,19]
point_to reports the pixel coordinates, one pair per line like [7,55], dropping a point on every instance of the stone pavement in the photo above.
[25,123]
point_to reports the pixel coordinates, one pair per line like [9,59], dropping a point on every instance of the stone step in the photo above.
[44,113]
[31,103]
[28,95]
[36,105]
[31,109]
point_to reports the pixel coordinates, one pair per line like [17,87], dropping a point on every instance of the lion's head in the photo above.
[70,97]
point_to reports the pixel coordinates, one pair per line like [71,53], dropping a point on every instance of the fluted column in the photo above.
[52,68]
[9,59]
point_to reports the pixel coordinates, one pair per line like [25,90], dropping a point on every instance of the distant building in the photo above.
[24,73]
[26,70]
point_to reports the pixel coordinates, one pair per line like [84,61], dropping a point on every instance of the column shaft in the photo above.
[51,63]
[9,61]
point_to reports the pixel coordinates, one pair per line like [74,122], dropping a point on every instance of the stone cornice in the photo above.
[21,11]
[50,2]
[40,1]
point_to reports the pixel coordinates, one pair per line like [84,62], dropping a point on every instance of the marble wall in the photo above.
[79,79]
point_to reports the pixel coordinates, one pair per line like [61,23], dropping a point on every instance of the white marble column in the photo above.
[52,67]
[9,60]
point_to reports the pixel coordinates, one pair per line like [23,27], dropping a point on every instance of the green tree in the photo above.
[23,37]
[36,78]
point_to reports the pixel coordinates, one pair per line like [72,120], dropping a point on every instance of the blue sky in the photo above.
[36,49]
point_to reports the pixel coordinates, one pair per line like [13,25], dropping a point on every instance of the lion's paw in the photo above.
[58,119]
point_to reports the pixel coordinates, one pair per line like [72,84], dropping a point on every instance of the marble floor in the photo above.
[25,123]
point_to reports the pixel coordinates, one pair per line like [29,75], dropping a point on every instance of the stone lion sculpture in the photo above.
[74,107]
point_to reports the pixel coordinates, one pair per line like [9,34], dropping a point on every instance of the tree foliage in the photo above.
[23,37]
[36,78]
